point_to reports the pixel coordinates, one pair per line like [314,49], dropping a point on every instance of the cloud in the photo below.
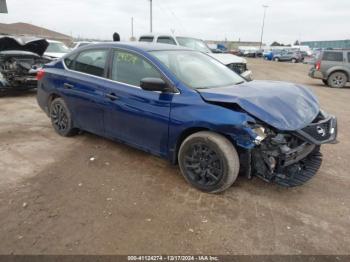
[286,20]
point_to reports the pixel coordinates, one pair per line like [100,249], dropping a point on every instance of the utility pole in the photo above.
[263,24]
[132,27]
[151,15]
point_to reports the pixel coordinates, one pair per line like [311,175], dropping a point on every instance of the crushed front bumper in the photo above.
[293,163]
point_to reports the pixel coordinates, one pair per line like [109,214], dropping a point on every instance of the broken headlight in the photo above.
[260,134]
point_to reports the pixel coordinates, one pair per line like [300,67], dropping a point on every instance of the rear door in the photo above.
[136,116]
[84,90]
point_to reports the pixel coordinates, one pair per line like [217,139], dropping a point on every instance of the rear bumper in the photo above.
[313,73]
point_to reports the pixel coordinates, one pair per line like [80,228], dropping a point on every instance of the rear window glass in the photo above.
[146,39]
[333,56]
[91,62]
[166,40]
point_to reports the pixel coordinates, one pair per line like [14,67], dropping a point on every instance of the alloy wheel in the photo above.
[203,165]
[59,117]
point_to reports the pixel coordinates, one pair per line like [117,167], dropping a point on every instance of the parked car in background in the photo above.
[332,67]
[290,56]
[20,59]
[187,107]
[80,44]
[235,63]
[56,49]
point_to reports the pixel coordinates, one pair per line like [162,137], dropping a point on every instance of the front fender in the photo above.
[204,116]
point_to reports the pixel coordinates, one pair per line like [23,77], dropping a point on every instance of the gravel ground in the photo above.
[88,195]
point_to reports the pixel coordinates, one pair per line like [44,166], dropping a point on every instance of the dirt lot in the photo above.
[55,200]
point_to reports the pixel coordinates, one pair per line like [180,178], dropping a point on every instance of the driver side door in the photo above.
[133,115]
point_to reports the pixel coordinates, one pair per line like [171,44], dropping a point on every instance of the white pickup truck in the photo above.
[235,63]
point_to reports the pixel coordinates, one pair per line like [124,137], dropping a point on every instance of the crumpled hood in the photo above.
[23,43]
[227,59]
[285,106]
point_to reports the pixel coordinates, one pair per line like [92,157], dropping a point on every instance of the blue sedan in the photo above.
[187,107]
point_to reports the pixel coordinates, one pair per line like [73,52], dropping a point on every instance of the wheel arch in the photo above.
[191,130]
[52,97]
[335,70]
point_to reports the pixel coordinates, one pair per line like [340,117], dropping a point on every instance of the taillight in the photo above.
[318,65]
[40,74]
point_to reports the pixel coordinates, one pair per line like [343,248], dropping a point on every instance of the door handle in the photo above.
[112,96]
[68,86]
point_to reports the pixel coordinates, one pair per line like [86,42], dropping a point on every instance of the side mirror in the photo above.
[153,84]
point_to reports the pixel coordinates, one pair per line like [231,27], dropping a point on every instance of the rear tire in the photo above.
[276,59]
[325,82]
[61,118]
[209,161]
[294,60]
[337,80]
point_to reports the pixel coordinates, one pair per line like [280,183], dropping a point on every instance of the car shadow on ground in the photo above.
[17,93]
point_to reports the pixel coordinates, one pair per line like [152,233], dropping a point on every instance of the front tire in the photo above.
[337,80]
[61,118]
[294,60]
[209,161]
[276,59]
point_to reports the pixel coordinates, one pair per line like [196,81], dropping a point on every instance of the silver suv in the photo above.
[333,67]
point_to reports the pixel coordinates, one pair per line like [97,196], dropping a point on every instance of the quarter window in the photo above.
[333,56]
[69,61]
[166,40]
[91,62]
[348,57]
[130,69]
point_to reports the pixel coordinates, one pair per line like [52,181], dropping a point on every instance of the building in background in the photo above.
[33,30]
[334,44]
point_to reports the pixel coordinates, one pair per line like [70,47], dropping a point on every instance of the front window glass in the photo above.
[130,69]
[193,43]
[92,62]
[57,48]
[198,70]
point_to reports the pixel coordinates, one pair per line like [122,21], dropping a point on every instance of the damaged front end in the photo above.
[20,59]
[290,158]
[18,70]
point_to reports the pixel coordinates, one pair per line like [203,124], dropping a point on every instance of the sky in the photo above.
[286,20]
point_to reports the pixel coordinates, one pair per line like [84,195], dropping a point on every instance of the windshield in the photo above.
[197,70]
[193,43]
[57,48]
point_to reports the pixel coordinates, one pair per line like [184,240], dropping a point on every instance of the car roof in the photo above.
[141,46]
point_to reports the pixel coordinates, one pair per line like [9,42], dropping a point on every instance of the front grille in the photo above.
[239,68]
[319,131]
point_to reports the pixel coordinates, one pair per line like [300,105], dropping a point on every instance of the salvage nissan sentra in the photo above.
[186,106]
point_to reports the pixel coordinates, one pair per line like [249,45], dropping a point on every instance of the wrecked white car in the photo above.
[20,59]
[235,63]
